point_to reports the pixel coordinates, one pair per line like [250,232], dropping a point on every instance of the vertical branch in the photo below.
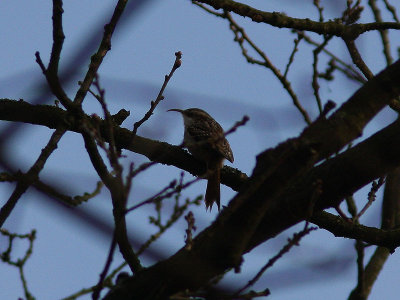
[112,152]
[320,10]
[315,84]
[383,33]
[119,199]
[359,290]
[390,220]
[119,195]
[58,37]
[360,246]
[51,73]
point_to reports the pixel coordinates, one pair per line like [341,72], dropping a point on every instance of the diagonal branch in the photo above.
[263,207]
[31,176]
[104,47]
[160,96]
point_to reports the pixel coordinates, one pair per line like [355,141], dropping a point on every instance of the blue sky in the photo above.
[69,254]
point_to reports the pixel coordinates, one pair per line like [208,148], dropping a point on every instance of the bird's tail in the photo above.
[213,193]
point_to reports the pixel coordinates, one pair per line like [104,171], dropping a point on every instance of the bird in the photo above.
[205,140]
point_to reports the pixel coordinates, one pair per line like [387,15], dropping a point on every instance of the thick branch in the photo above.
[52,117]
[282,21]
[209,255]
[339,177]
[261,209]
[389,239]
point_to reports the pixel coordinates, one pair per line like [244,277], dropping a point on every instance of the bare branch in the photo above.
[104,47]
[240,37]
[280,20]
[103,274]
[371,196]
[315,84]
[383,33]
[357,60]
[153,104]
[291,57]
[294,241]
[58,38]
[32,175]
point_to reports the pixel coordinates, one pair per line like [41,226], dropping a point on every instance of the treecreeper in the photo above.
[205,140]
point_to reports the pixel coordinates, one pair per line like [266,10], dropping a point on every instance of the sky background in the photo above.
[70,250]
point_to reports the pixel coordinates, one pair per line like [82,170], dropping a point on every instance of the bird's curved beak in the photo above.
[175,109]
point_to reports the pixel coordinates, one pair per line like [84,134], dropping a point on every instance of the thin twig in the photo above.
[238,124]
[153,198]
[320,10]
[315,84]
[294,241]
[52,191]
[112,152]
[291,57]
[347,69]
[161,195]
[153,104]
[371,196]
[383,33]
[190,228]
[32,175]
[240,37]
[175,216]
[5,256]
[210,11]
[103,274]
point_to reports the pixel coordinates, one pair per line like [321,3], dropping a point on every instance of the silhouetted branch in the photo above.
[31,176]
[281,20]
[160,96]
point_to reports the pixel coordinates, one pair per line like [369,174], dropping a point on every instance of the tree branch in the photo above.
[32,175]
[104,47]
[280,20]
[52,116]
[339,227]
[278,193]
